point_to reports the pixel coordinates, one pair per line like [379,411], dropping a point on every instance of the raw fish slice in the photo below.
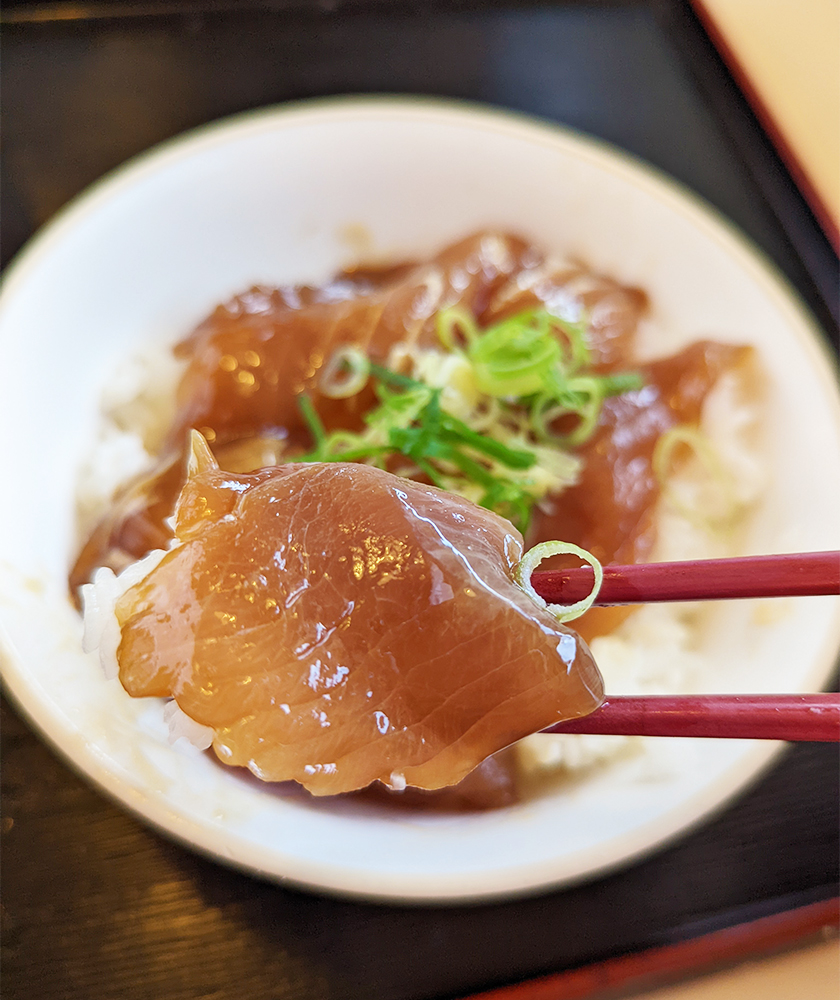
[494,784]
[249,360]
[136,522]
[252,356]
[334,624]
[246,366]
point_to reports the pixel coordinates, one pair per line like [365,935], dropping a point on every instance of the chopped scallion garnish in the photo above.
[345,374]
[412,425]
[537,355]
[531,560]
[714,512]
[514,380]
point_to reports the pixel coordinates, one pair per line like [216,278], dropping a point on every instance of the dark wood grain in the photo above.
[98,907]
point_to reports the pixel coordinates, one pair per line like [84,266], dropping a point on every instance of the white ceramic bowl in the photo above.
[289,195]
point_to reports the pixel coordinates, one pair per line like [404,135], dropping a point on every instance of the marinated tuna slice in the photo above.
[136,522]
[334,625]
[251,359]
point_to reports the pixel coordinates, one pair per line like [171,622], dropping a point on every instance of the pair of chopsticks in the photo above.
[806,717]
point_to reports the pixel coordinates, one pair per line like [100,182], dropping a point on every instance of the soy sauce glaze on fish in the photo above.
[336,625]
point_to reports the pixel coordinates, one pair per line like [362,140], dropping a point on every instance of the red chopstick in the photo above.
[805,574]
[813,718]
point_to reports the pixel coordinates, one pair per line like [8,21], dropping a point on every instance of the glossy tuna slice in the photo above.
[251,358]
[247,363]
[334,624]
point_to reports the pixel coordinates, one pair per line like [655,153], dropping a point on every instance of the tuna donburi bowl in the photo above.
[260,204]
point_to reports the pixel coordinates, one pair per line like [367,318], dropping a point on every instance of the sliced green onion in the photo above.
[388,377]
[621,382]
[522,372]
[580,396]
[513,458]
[511,501]
[585,396]
[313,421]
[533,557]
[662,461]
[345,374]
[514,357]
[432,473]
[577,350]
[544,411]
[448,322]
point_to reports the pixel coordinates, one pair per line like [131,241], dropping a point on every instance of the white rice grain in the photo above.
[182,727]
[99,604]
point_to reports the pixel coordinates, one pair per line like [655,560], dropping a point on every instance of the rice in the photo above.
[182,727]
[102,636]
[137,408]
[99,604]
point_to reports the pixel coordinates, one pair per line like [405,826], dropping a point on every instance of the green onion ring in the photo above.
[313,422]
[544,410]
[589,409]
[452,319]
[334,383]
[533,557]
[697,442]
